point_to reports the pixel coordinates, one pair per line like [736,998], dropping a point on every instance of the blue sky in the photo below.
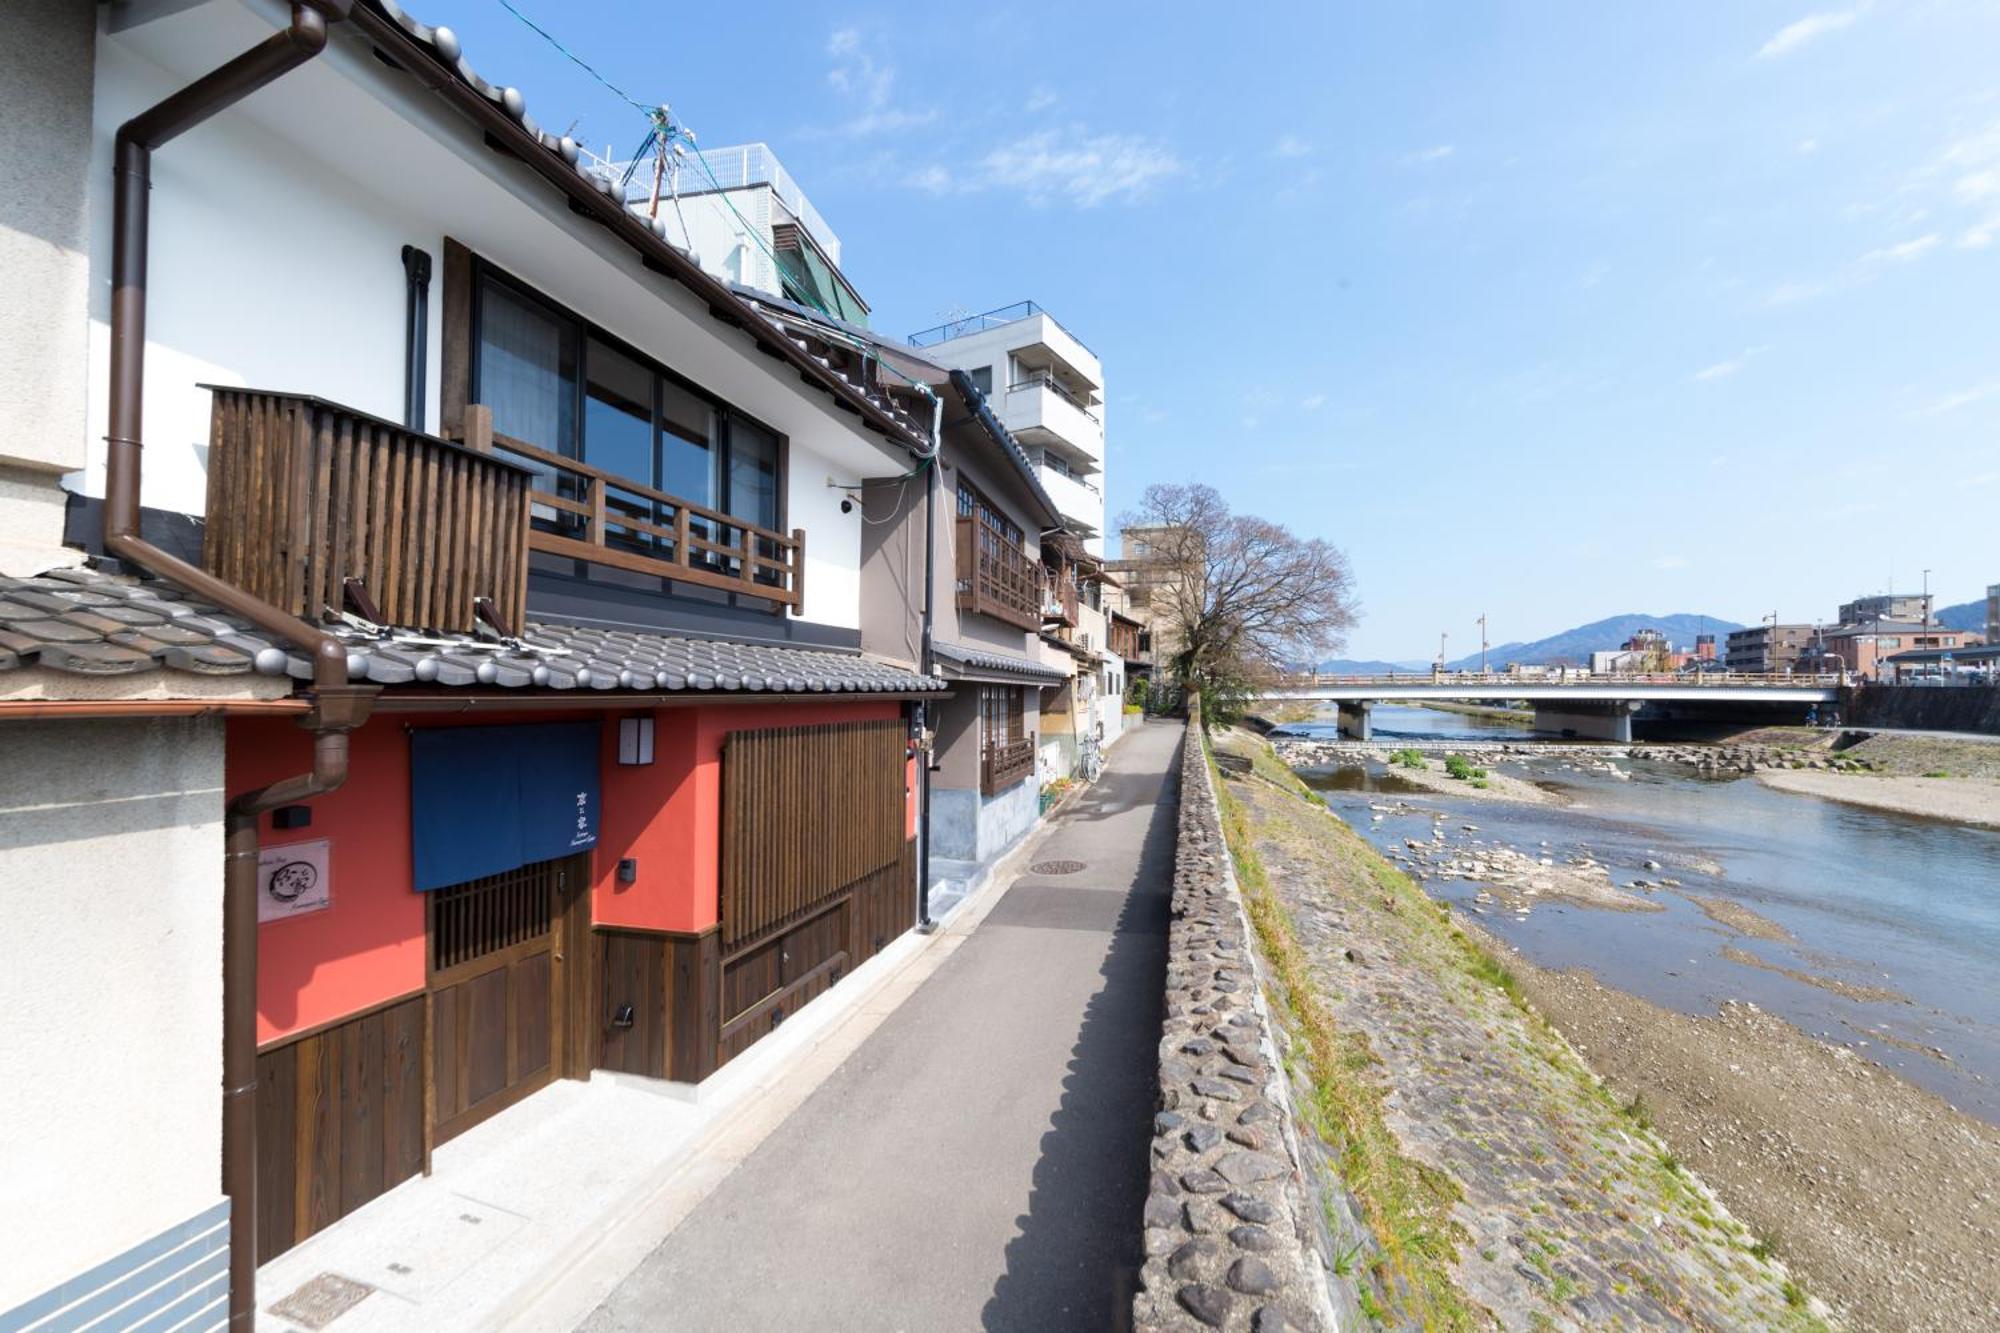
[1547,311]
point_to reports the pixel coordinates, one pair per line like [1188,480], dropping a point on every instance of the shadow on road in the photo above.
[1077,1256]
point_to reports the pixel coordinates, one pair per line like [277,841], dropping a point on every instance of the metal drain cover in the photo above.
[322,1300]
[1055,867]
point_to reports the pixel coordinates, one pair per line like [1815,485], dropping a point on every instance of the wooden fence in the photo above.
[304,495]
[806,813]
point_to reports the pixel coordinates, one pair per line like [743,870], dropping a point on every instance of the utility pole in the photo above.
[1771,646]
[1442,636]
[1927,604]
[1482,643]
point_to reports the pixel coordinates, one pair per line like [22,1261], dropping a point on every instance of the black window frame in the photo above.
[584,331]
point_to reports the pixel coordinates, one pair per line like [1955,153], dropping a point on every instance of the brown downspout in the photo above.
[337,707]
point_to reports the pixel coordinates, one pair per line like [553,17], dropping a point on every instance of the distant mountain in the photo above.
[1576,645]
[1964,616]
[1353,666]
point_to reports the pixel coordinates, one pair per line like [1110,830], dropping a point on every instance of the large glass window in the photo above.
[556,383]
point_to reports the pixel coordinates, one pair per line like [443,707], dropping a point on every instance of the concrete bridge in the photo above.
[1597,707]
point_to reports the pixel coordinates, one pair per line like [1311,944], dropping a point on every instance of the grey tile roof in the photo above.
[93,623]
[987,660]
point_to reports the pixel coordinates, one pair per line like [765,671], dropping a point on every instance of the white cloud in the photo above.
[1041,99]
[1951,402]
[1984,479]
[1808,145]
[1724,369]
[1426,156]
[1795,35]
[1291,145]
[867,84]
[1670,562]
[1071,165]
[1593,275]
[1905,251]
[1852,509]
[1313,402]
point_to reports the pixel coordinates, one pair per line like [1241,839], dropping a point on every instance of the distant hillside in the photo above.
[1357,666]
[1576,645]
[1966,615]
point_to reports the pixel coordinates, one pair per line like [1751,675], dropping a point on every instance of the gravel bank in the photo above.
[1959,800]
[1881,1194]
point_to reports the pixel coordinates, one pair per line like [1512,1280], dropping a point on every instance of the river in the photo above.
[1870,899]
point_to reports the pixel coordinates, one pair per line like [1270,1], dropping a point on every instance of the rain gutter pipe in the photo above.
[927,660]
[336,706]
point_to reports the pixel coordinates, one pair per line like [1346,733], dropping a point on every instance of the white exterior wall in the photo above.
[45,83]
[276,264]
[1023,411]
[111,992]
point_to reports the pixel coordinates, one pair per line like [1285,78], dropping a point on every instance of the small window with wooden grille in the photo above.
[483,916]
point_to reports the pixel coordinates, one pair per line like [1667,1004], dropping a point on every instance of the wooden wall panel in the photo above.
[339,1121]
[632,968]
[806,812]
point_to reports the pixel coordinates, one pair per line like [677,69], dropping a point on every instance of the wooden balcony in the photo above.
[589,514]
[306,496]
[1001,766]
[997,580]
[1059,598]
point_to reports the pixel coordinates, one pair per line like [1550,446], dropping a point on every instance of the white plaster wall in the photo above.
[276,264]
[110,989]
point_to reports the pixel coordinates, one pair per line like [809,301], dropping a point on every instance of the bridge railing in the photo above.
[1589,680]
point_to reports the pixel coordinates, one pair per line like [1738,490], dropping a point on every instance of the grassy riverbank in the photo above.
[1936,777]
[1498,714]
[1497,1177]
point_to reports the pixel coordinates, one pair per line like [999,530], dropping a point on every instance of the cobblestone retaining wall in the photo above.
[1232,1231]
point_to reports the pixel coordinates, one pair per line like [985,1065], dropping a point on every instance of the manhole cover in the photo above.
[1055,867]
[322,1300]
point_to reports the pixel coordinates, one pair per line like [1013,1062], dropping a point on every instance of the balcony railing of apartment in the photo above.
[995,579]
[1058,598]
[991,319]
[1044,380]
[315,507]
[1002,765]
[307,498]
[589,514]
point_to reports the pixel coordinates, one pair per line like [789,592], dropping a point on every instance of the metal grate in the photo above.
[1056,867]
[483,916]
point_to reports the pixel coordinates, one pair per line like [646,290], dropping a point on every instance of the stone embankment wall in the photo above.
[1924,707]
[1233,1236]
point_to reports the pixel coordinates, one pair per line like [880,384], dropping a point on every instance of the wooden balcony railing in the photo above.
[1003,765]
[305,495]
[997,580]
[591,514]
[1058,598]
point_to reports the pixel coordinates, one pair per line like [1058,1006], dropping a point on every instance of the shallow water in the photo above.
[1872,898]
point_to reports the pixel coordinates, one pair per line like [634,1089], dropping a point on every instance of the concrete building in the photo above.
[1048,389]
[1914,607]
[1863,649]
[1767,648]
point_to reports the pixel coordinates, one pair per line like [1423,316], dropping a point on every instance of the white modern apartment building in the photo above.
[745,220]
[1048,389]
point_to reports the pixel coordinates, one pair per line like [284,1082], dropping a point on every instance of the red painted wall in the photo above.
[368,946]
[671,822]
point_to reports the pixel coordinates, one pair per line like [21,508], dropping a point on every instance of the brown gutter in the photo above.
[336,707]
[15,709]
[425,65]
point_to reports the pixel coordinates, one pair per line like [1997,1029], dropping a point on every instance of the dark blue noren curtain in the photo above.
[488,799]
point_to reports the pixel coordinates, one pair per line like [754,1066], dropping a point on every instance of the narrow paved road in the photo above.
[981,1160]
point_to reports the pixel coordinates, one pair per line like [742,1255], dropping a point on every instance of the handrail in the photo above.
[1774,679]
[991,319]
[1043,380]
[670,545]
[1006,763]
[997,579]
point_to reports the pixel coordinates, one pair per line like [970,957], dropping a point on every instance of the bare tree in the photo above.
[1234,598]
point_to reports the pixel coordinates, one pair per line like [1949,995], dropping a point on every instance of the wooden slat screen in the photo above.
[806,812]
[303,495]
[484,916]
